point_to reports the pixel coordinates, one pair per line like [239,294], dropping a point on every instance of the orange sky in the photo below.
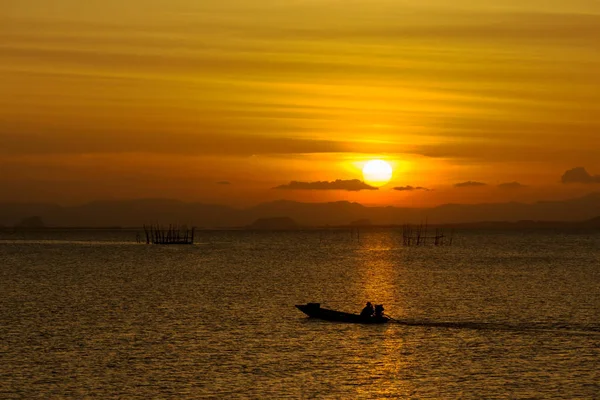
[173,98]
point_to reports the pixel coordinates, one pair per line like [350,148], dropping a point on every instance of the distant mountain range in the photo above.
[133,213]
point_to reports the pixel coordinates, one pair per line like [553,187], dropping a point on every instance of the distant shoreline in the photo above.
[492,225]
[283,214]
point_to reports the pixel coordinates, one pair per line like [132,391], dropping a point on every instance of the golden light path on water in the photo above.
[381,283]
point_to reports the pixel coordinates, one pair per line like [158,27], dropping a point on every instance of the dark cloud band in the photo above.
[352,185]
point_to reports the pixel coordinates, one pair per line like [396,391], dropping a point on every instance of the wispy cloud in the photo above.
[223,183]
[469,184]
[161,143]
[511,185]
[409,188]
[352,185]
[579,175]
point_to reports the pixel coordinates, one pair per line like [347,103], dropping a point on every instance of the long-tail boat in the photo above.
[314,310]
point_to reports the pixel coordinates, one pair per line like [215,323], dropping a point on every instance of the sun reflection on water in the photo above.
[378,264]
[379,267]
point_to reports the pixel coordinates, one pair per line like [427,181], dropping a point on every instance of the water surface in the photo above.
[496,315]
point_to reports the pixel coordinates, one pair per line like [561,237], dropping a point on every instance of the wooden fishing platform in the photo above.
[174,234]
[417,236]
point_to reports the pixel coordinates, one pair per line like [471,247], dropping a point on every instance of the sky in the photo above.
[244,101]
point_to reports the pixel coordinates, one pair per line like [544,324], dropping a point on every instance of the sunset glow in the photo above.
[112,100]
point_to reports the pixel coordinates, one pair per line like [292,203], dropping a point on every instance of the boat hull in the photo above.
[314,310]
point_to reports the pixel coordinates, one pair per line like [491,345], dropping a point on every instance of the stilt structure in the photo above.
[174,234]
[417,236]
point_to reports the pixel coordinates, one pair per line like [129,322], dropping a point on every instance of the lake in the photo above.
[499,314]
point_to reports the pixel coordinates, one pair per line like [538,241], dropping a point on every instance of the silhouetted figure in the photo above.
[379,311]
[367,312]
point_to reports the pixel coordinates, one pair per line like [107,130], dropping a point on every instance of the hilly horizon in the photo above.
[136,212]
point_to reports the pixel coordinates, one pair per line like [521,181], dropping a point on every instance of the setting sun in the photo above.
[377,172]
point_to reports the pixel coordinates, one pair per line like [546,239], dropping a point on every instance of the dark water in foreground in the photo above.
[497,315]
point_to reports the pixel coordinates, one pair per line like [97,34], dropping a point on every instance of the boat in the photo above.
[314,310]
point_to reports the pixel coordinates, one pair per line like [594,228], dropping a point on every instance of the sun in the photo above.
[377,172]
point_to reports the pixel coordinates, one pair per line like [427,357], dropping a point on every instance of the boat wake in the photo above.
[582,329]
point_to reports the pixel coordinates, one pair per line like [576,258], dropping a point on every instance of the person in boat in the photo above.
[379,311]
[368,311]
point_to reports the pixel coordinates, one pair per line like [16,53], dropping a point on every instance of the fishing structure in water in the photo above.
[174,234]
[417,236]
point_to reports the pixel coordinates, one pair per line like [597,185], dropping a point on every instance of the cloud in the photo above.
[579,175]
[352,185]
[469,184]
[409,188]
[220,142]
[511,185]
[287,89]
[562,27]
[223,183]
